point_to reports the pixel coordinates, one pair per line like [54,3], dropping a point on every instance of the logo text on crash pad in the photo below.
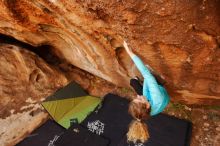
[96,127]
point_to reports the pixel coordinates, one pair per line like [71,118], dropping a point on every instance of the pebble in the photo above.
[206,129]
[187,108]
[206,124]
[217,129]
[205,117]
[197,137]
[12,111]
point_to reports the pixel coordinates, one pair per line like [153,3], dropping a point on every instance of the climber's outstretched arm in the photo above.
[140,65]
[128,50]
[150,83]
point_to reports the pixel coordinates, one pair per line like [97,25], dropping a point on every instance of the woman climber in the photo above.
[152,99]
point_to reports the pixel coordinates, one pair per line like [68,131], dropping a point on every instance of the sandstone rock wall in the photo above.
[179,40]
[25,80]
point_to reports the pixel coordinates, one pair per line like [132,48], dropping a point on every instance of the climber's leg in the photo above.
[137,86]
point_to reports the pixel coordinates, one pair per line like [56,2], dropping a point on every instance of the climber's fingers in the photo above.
[128,49]
[125,45]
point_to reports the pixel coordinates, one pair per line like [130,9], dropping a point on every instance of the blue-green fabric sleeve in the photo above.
[150,87]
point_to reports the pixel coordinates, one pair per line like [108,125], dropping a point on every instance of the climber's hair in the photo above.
[139,110]
[138,130]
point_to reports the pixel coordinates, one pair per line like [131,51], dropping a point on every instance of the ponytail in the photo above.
[138,131]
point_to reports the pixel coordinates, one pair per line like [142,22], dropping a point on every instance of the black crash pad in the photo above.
[46,135]
[164,130]
[69,91]
[110,123]
[114,117]
[77,135]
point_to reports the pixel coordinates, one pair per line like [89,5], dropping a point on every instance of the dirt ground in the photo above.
[205,119]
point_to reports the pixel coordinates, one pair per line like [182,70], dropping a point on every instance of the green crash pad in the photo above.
[70,104]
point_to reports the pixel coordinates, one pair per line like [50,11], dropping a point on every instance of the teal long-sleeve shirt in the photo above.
[155,93]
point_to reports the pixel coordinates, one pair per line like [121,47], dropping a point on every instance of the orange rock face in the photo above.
[24,75]
[25,80]
[179,40]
